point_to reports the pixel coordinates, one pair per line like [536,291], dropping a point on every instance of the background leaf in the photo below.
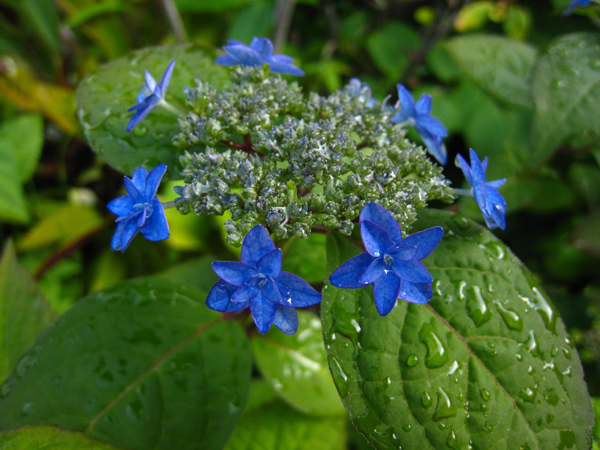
[26,134]
[104,97]
[296,367]
[565,86]
[48,437]
[499,65]
[141,365]
[24,312]
[488,354]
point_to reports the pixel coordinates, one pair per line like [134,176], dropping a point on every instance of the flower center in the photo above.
[388,259]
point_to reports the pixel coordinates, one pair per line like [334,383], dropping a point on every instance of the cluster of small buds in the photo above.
[299,162]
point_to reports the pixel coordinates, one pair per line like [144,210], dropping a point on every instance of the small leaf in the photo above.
[565,85]
[24,312]
[104,97]
[276,426]
[48,437]
[26,134]
[296,366]
[13,206]
[499,65]
[487,360]
[144,364]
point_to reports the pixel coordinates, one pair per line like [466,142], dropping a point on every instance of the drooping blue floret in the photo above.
[430,129]
[491,204]
[139,210]
[258,282]
[391,264]
[260,51]
[575,4]
[150,96]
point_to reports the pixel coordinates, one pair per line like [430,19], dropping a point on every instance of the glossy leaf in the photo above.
[486,361]
[24,312]
[48,437]
[565,87]
[276,426]
[141,365]
[499,65]
[296,367]
[104,97]
[306,258]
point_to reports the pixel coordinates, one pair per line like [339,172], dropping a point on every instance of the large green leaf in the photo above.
[141,365]
[48,437]
[485,365]
[565,87]
[499,65]
[104,97]
[24,312]
[296,367]
[276,426]
[390,47]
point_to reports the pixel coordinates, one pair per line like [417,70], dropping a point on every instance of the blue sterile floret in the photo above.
[257,281]
[575,4]
[152,94]
[391,264]
[491,204]
[260,51]
[430,129]
[140,210]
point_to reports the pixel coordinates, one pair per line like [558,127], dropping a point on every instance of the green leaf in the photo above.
[24,312]
[43,19]
[48,437]
[13,206]
[390,47]
[499,65]
[104,97]
[254,20]
[486,361]
[194,272]
[276,426]
[296,366]
[211,5]
[26,134]
[306,258]
[141,365]
[565,85]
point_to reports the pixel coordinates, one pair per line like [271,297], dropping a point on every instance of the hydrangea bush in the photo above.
[434,333]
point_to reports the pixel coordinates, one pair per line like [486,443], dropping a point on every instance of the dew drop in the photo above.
[477,307]
[531,344]
[407,428]
[542,306]
[27,409]
[567,439]
[549,418]
[567,353]
[453,368]
[528,394]
[519,357]
[339,375]
[140,131]
[485,394]
[444,407]
[426,400]
[510,317]
[451,441]
[412,360]
[437,355]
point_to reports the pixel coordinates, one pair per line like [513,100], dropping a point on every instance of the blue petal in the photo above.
[120,206]
[280,59]
[425,241]
[496,184]
[493,197]
[385,291]
[479,193]
[141,217]
[348,274]
[466,169]
[227,60]
[166,79]
[263,313]
[263,46]
[296,292]
[380,216]
[413,271]
[257,244]
[133,191]
[244,54]
[476,167]
[124,234]
[219,298]
[434,145]
[407,101]
[415,292]
[234,272]
[153,180]
[156,227]
[139,179]
[286,319]
[150,81]
[284,68]
[431,125]
[143,109]
[375,238]
[402,252]
[270,264]
[271,292]
[375,271]
[245,293]
[423,106]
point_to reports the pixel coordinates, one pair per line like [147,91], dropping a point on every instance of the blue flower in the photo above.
[391,264]
[431,130]
[575,4]
[260,51]
[491,204]
[140,210]
[151,95]
[258,282]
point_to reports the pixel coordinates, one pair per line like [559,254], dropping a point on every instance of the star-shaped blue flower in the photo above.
[258,282]
[260,51]
[140,210]
[430,129]
[391,264]
[152,94]
[491,204]
[575,4]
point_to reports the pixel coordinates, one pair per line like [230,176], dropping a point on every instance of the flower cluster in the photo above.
[282,163]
